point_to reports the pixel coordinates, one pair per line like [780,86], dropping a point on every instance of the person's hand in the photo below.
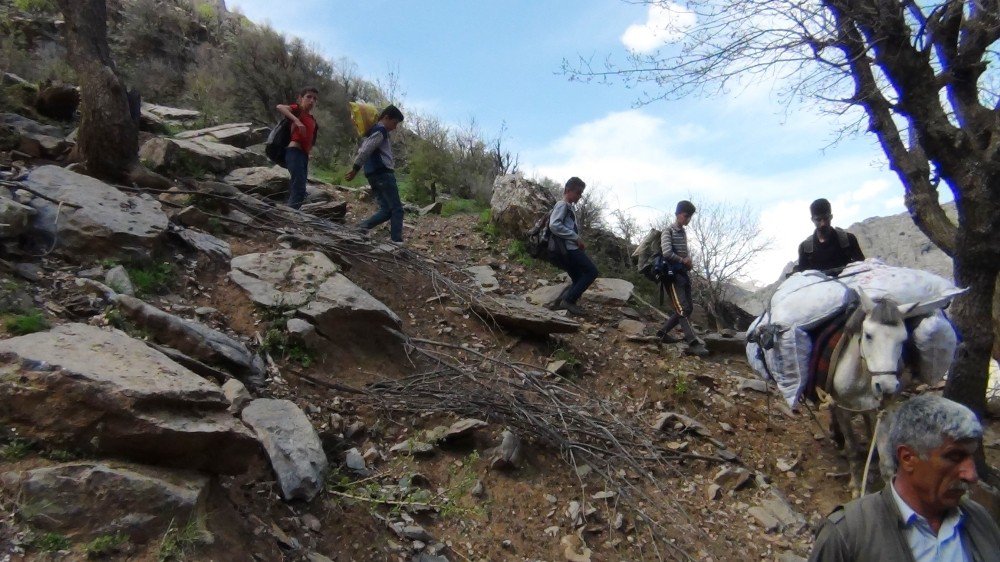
[350,175]
[580,244]
[687,262]
[301,126]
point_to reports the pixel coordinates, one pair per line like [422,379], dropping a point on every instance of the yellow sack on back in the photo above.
[363,115]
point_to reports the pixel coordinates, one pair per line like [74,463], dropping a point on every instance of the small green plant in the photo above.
[50,542]
[152,279]
[180,542]
[681,384]
[105,545]
[60,455]
[276,342]
[37,6]
[518,252]
[21,324]
[15,450]
[486,226]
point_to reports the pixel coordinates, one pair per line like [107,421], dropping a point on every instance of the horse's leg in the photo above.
[843,419]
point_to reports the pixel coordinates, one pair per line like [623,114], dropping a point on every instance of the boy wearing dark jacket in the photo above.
[375,157]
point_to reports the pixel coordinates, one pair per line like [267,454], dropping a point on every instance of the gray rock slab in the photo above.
[632,327]
[170,113]
[213,248]
[102,222]
[717,343]
[23,125]
[195,339]
[237,394]
[605,291]
[115,395]
[15,218]
[89,499]
[240,135]
[117,279]
[292,444]
[484,276]
[514,313]
[263,180]
[281,278]
[340,308]
[191,157]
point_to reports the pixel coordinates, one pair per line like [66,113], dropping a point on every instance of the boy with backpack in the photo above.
[303,136]
[674,249]
[375,157]
[566,234]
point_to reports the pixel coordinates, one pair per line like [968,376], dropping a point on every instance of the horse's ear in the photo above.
[867,304]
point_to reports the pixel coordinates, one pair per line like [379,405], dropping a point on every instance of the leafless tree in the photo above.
[725,240]
[504,161]
[920,74]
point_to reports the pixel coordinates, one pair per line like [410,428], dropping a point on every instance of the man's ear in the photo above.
[906,457]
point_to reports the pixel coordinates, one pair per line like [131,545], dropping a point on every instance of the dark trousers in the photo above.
[581,271]
[297,163]
[390,208]
[679,291]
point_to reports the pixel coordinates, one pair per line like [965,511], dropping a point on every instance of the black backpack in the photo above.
[538,238]
[277,141]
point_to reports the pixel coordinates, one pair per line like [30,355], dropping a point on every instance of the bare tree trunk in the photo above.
[972,313]
[108,138]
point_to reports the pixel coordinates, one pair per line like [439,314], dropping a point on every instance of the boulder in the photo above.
[96,220]
[514,313]
[517,203]
[118,280]
[262,180]
[194,157]
[214,249]
[604,291]
[31,137]
[240,135]
[89,499]
[632,327]
[432,209]
[237,394]
[195,339]
[15,218]
[115,395]
[292,444]
[23,125]
[718,343]
[310,282]
[57,101]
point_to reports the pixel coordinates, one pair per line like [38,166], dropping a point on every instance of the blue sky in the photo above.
[498,62]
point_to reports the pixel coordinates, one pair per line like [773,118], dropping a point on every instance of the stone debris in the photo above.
[292,444]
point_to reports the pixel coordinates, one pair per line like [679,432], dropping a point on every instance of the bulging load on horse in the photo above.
[846,339]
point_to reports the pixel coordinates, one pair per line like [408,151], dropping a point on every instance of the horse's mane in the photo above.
[886,312]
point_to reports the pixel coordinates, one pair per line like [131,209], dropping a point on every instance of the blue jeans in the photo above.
[390,208]
[297,163]
[581,271]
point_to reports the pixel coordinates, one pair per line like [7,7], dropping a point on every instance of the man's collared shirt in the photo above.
[946,546]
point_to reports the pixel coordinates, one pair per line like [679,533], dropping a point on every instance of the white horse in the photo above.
[866,372]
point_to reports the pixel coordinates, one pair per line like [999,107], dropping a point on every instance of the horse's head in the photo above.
[882,334]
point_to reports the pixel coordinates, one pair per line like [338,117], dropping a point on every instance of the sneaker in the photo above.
[569,307]
[667,338]
[696,348]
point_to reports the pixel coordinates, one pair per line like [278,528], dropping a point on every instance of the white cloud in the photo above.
[665,22]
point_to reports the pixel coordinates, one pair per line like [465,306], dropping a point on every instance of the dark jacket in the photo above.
[830,256]
[871,529]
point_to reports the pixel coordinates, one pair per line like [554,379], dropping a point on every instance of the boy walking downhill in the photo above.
[673,244]
[375,157]
[304,131]
[565,232]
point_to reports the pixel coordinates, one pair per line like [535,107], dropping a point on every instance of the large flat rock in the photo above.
[170,113]
[292,444]
[89,499]
[264,180]
[240,135]
[514,313]
[103,391]
[100,221]
[181,157]
[605,290]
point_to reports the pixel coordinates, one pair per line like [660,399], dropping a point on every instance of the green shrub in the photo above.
[36,6]
[15,450]
[29,323]
[462,207]
[486,226]
[179,542]
[105,545]
[50,542]
[152,279]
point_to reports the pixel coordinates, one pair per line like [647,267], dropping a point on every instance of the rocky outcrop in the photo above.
[214,250]
[514,313]
[15,218]
[195,339]
[180,157]
[517,203]
[116,396]
[31,137]
[170,113]
[90,499]
[897,241]
[96,220]
[263,180]
[292,444]
[240,135]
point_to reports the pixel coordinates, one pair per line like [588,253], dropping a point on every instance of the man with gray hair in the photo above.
[923,514]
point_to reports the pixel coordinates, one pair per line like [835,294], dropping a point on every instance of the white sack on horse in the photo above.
[902,284]
[936,341]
